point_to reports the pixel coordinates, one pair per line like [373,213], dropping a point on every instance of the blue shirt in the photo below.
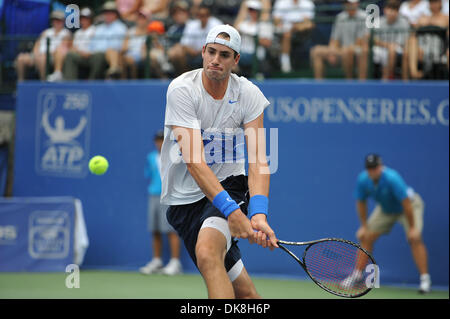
[108,36]
[390,191]
[152,171]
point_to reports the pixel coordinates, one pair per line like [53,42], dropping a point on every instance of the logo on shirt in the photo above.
[232,102]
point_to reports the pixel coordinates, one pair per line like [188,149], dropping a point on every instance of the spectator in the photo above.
[293,18]
[348,39]
[188,53]
[80,44]
[133,51]
[129,10]
[159,63]
[265,15]
[390,41]
[104,48]
[427,46]
[58,36]
[413,10]
[250,29]
[157,9]
[180,15]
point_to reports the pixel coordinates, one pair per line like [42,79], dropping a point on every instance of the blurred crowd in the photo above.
[129,39]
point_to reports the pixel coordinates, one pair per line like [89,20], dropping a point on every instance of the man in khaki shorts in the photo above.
[396,202]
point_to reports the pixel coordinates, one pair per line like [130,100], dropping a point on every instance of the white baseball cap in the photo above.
[235,39]
[254,4]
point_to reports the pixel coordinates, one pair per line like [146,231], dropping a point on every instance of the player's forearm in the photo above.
[258,168]
[258,183]
[205,179]
[191,147]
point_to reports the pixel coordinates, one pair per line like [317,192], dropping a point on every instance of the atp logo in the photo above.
[63,132]
[49,234]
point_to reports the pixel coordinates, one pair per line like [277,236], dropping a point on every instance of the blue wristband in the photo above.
[259,204]
[225,203]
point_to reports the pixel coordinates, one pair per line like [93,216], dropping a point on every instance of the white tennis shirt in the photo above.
[221,123]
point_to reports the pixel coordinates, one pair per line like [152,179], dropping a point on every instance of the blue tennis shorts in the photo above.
[188,219]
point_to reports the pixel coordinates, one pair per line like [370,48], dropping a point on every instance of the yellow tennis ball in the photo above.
[98,165]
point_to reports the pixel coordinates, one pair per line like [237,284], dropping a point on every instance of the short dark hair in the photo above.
[393,4]
[203,5]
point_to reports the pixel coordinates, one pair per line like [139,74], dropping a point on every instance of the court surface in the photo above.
[133,285]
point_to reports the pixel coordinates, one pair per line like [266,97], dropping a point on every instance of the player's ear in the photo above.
[203,51]
[237,58]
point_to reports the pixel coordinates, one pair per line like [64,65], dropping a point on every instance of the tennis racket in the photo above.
[336,265]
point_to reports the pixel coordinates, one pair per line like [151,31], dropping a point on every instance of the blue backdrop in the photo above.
[323,131]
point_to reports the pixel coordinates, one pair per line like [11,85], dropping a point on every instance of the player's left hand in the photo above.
[265,236]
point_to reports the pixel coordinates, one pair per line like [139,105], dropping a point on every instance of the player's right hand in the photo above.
[265,235]
[240,226]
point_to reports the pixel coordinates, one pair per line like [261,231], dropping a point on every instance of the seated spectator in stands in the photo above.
[104,48]
[187,54]
[348,40]
[129,10]
[179,14]
[159,63]
[79,45]
[156,9]
[429,45]
[265,14]
[133,47]
[251,27]
[58,35]
[413,10]
[293,18]
[390,41]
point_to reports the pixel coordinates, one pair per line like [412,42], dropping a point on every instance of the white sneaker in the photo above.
[172,268]
[152,267]
[55,77]
[351,280]
[425,284]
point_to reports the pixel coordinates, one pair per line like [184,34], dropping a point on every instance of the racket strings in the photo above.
[338,266]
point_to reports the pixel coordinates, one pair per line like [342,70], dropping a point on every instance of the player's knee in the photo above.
[207,256]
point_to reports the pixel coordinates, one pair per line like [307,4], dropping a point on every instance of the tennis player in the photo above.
[209,114]
[396,202]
